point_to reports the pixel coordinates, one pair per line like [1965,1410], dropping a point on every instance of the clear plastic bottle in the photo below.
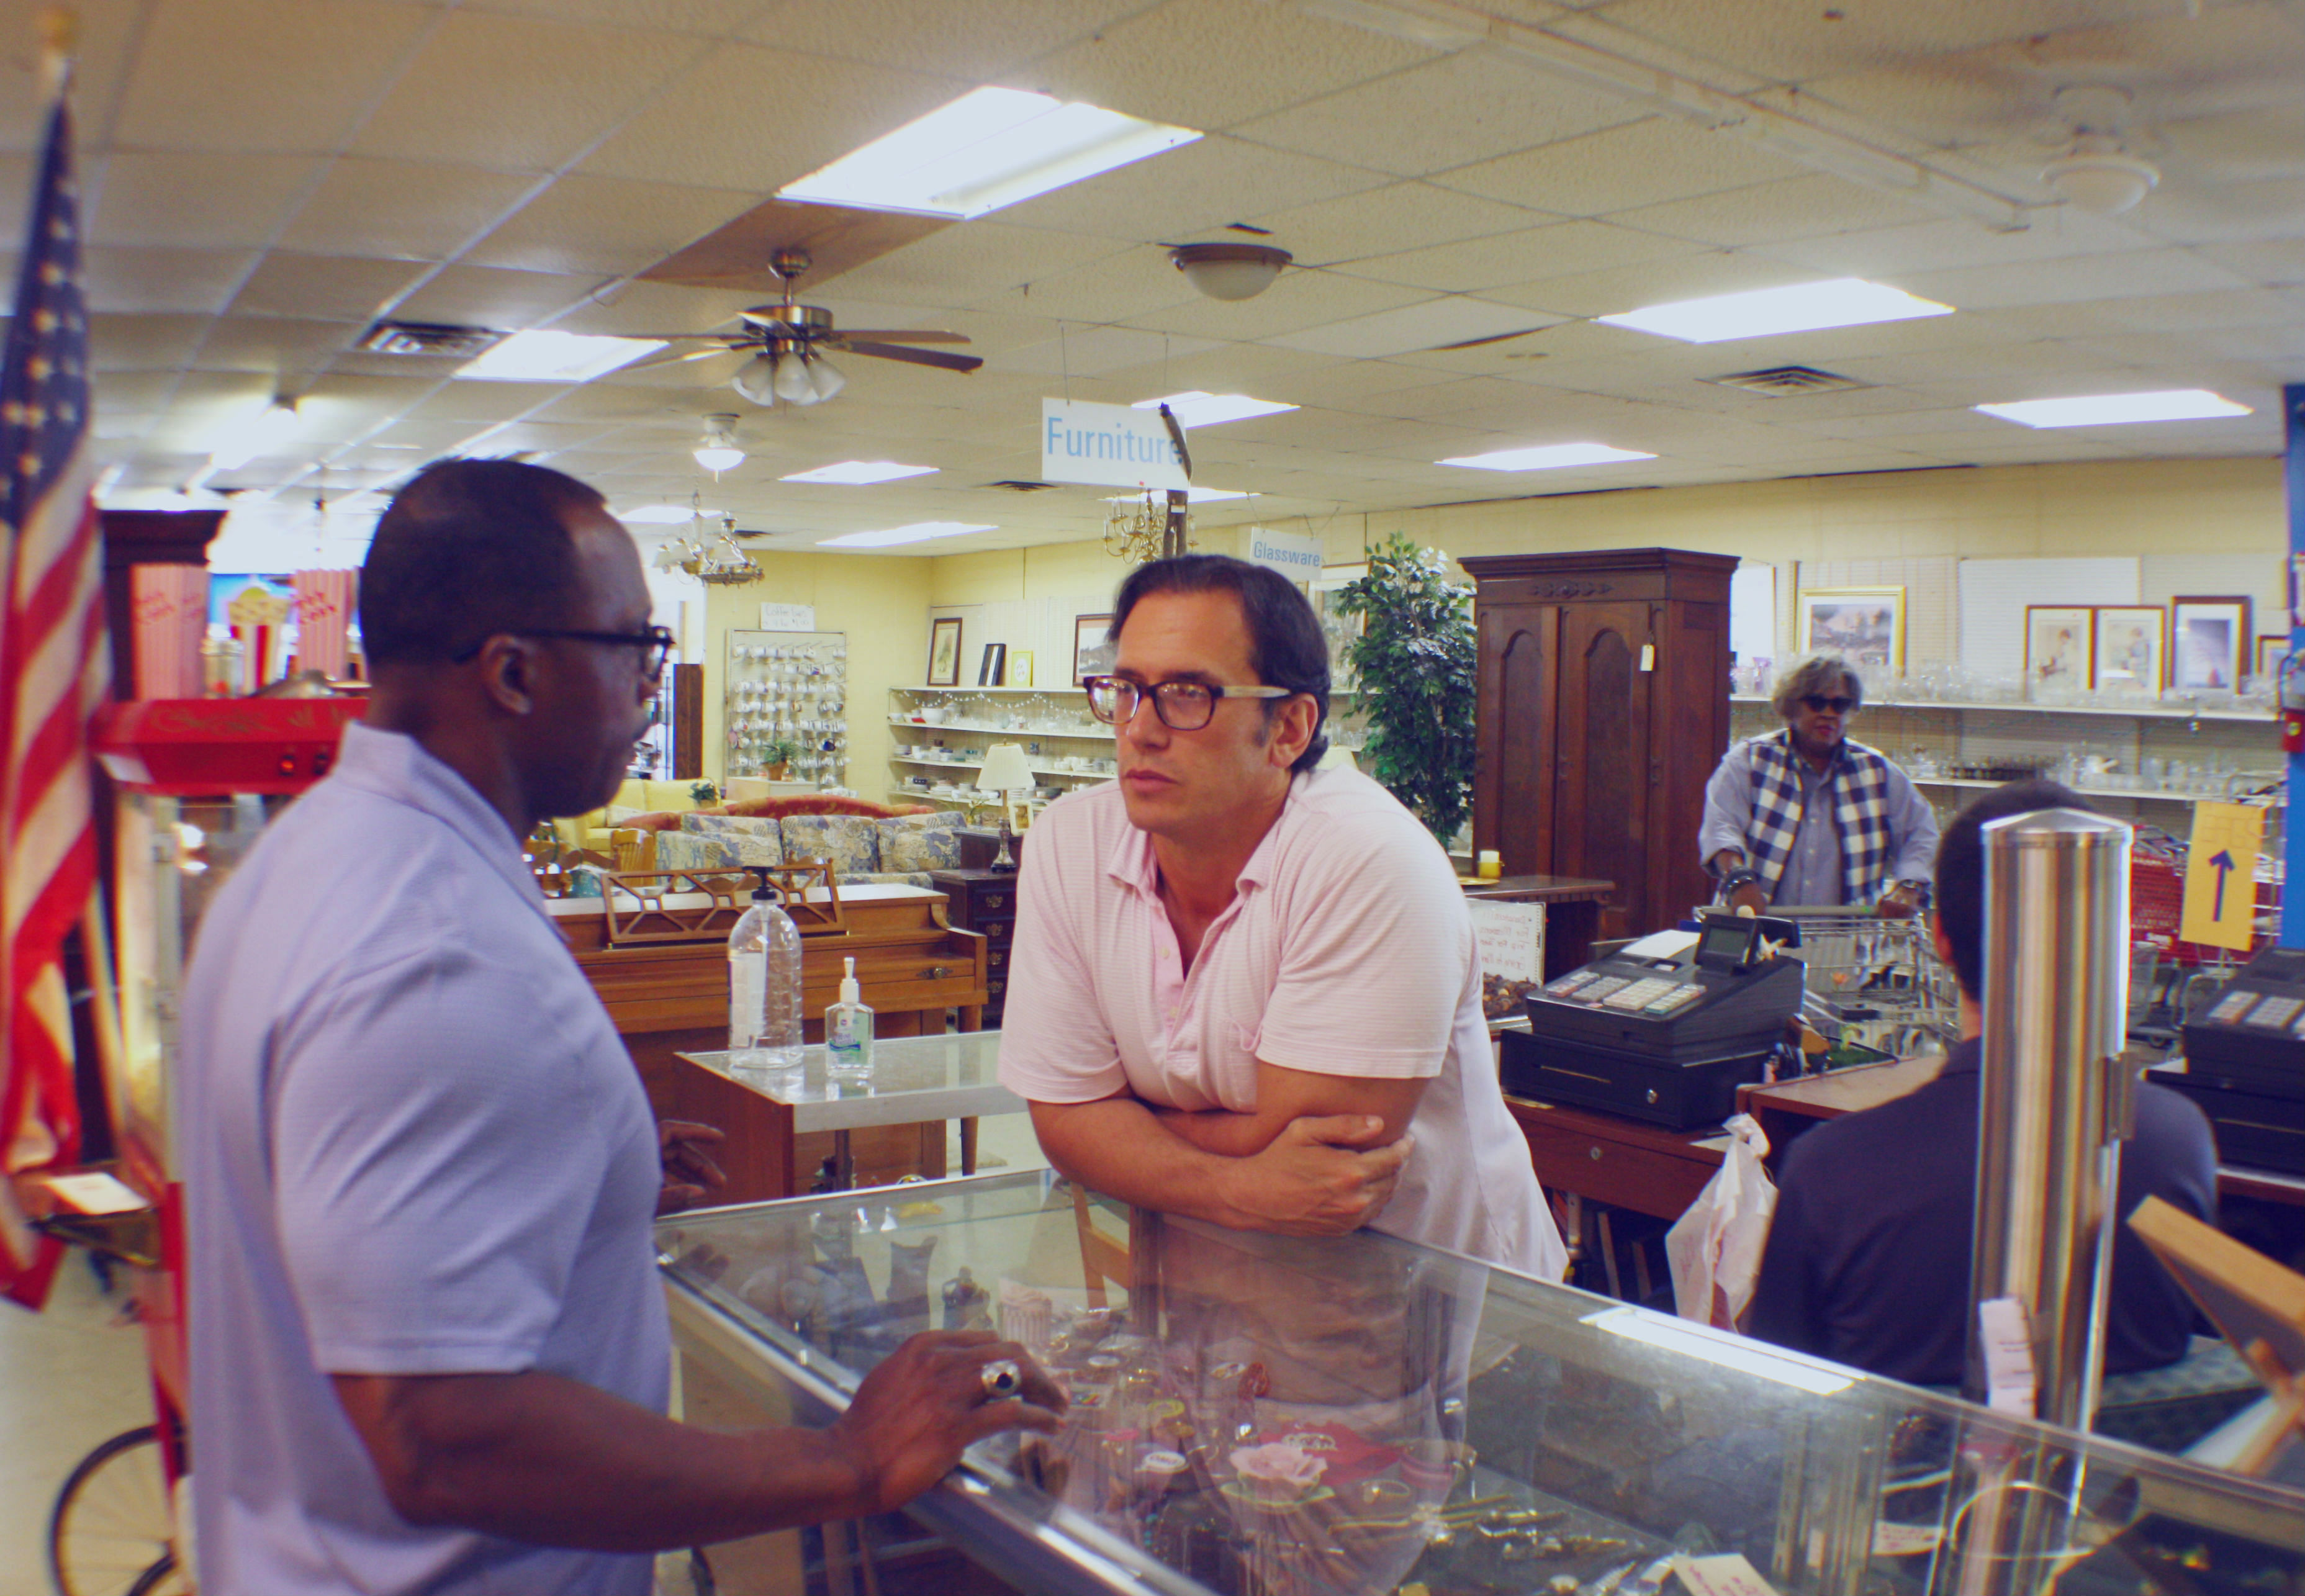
[849,1031]
[764,977]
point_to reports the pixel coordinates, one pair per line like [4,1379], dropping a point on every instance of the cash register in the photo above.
[2245,1063]
[1662,1033]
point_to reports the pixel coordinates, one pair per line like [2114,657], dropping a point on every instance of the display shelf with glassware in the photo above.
[949,728]
[1263,1415]
[789,688]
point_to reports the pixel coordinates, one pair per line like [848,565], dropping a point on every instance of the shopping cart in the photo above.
[1874,983]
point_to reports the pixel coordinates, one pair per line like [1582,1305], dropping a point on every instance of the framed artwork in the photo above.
[2271,650]
[1091,656]
[2129,639]
[2208,642]
[2058,638]
[1020,668]
[1338,630]
[944,652]
[992,670]
[1866,625]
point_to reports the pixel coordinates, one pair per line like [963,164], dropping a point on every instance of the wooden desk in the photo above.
[1572,914]
[1589,1156]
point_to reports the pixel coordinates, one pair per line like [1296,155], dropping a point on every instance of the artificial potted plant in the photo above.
[1415,659]
[776,755]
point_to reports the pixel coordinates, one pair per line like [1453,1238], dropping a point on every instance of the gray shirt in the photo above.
[1813,874]
[412,1145]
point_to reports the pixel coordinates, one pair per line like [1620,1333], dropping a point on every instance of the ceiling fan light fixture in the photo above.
[794,385]
[756,379]
[1229,271]
[825,378]
[2103,182]
[717,451]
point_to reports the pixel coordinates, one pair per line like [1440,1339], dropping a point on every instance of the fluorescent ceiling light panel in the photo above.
[1197,409]
[859,473]
[547,356]
[1194,495]
[920,532]
[989,148]
[1715,1346]
[2107,410]
[664,515]
[1801,308]
[1546,457]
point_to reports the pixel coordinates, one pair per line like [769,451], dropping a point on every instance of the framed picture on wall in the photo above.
[992,671]
[944,651]
[2271,650]
[1091,656]
[2129,639]
[2208,642]
[2057,649]
[1020,668]
[1866,625]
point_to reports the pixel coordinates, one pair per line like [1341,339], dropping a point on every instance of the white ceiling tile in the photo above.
[254,75]
[195,201]
[493,297]
[974,262]
[1644,163]
[2056,234]
[610,225]
[109,31]
[519,93]
[1770,213]
[1398,218]
[1462,108]
[972,39]
[292,349]
[713,19]
[1116,288]
[1414,328]
[163,280]
[2115,276]
[322,287]
[1298,301]
[2214,213]
[415,210]
[1213,64]
[1652,282]
[1514,258]
[123,343]
[757,119]
[1097,351]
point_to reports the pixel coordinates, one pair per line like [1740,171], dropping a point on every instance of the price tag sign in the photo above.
[2221,875]
[1512,937]
[1727,1574]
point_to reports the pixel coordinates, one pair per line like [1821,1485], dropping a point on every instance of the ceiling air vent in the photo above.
[1014,486]
[1782,382]
[427,337]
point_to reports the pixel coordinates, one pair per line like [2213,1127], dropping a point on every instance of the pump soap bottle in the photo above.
[849,1031]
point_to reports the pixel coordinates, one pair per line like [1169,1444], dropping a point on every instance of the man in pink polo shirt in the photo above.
[1244,989]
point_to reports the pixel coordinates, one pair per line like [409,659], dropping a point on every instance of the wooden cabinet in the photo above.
[984,901]
[1603,709]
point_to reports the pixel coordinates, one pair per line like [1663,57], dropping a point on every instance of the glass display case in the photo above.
[1257,1413]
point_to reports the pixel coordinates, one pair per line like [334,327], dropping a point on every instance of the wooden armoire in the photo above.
[1603,709]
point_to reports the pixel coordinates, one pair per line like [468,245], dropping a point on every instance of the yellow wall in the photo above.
[880,601]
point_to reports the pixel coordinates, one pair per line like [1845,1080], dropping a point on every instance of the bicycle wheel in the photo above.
[113,1534]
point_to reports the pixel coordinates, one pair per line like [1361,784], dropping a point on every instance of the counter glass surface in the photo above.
[1257,1413]
[952,1076]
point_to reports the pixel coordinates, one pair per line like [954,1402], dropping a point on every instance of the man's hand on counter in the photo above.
[689,1171]
[1319,1176]
[921,1407]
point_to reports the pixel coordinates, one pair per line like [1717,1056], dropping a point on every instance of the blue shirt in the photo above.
[1869,1255]
[412,1145]
[1813,874]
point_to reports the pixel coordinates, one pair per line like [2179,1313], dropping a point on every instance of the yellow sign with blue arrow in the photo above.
[2221,875]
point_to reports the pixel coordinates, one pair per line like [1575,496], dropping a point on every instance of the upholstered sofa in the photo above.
[862,848]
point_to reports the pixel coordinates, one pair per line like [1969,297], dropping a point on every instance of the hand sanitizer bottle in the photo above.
[849,1031]
[764,977]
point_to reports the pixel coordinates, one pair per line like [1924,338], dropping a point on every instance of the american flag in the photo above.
[54,670]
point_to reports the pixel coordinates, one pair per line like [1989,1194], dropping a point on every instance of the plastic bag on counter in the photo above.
[1716,1247]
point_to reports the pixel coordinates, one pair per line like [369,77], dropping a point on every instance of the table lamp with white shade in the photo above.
[1005,771]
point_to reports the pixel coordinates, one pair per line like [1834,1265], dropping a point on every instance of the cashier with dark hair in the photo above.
[1868,1255]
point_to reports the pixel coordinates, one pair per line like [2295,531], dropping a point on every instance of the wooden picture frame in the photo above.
[1089,655]
[992,670]
[2131,652]
[2209,641]
[2272,649]
[944,651]
[2060,648]
[1865,625]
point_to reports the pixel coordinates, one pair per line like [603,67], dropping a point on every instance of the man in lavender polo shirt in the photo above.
[1245,989]
[429,1346]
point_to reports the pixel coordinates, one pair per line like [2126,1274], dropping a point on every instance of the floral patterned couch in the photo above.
[864,849]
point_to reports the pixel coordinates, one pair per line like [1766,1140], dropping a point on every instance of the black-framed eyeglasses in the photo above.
[1182,705]
[655,643]
[1818,704]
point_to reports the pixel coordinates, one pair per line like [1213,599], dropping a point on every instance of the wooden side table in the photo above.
[1583,1155]
[984,901]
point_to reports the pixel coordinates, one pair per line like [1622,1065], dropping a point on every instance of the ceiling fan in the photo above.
[786,343]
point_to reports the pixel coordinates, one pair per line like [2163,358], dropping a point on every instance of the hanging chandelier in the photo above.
[1133,529]
[718,560]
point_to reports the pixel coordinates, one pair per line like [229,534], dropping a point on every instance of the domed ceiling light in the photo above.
[1229,271]
[2098,174]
